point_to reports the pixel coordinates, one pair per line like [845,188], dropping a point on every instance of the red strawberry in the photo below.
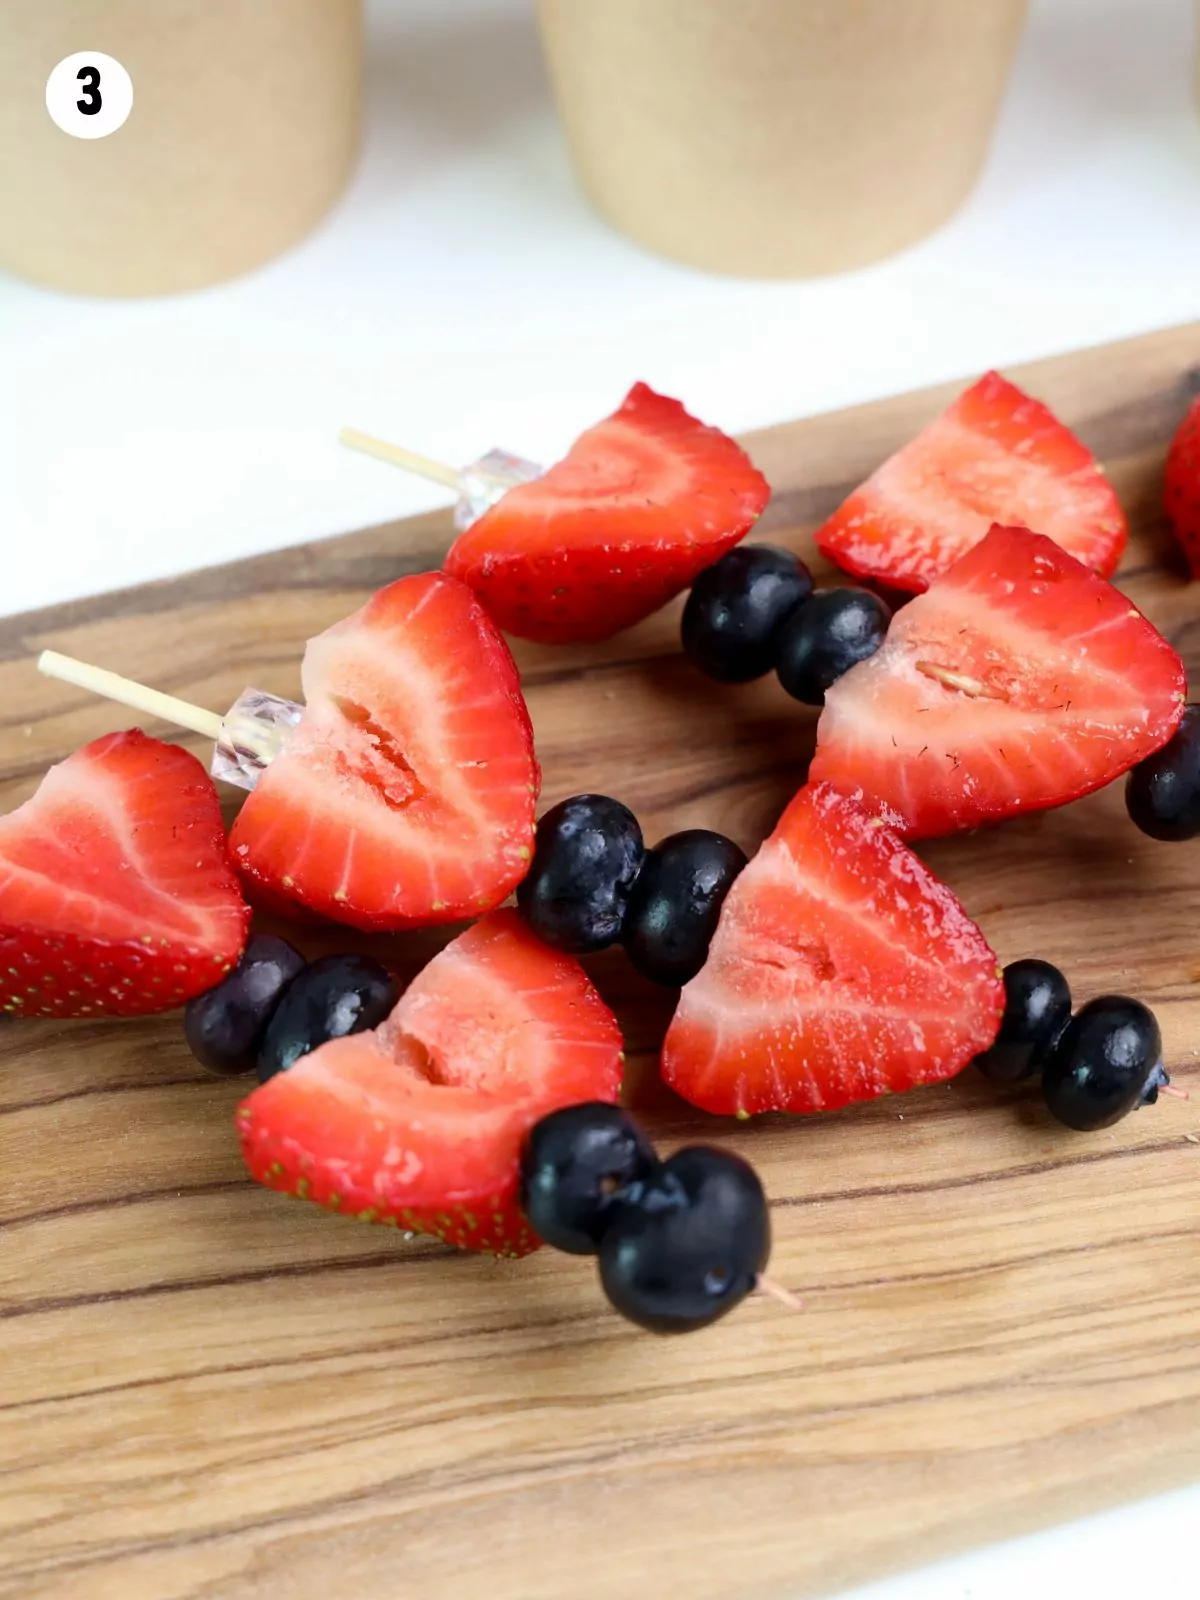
[1019,681]
[419,1124]
[643,502]
[1182,487]
[117,897]
[995,455]
[841,969]
[406,795]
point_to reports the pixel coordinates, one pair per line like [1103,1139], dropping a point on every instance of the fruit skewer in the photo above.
[402,792]
[641,503]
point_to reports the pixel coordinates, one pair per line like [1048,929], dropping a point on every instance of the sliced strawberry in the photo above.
[1019,681]
[1182,487]
[995,455]
[841,969]
[406,795]
[117,896]
[643,502]
[420,1123]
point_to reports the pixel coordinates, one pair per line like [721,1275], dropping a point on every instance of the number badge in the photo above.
[89,95]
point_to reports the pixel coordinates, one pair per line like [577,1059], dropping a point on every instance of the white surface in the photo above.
[463,295]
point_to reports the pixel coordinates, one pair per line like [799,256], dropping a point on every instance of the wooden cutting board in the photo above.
[211,1391]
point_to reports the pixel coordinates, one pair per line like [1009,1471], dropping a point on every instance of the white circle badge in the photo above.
[89,95]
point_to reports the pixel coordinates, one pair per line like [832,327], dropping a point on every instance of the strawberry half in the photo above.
[1181,492]
[643,502]
[841,969]
[1019,681]
[995,455]
[420,1123]
[117,897]
[406,795]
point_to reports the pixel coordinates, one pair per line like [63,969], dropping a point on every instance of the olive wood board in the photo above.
[212,1391]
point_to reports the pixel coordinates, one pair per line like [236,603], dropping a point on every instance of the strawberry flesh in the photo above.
[117,897]
[1019,681]
[406,795]
[419,1124]
[1182,487]
[995,455]
[841,969]
[643,502]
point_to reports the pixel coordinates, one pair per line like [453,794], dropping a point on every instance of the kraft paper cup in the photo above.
[243,131]
[778,138]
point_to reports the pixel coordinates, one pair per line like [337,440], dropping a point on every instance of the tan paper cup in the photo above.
[778,138]
[244,129]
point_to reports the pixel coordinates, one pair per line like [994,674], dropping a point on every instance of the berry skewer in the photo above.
[679,1243]
[643,501]
[756,611]
[592,883]
[1095,1067]
[1018,681]
[402,793]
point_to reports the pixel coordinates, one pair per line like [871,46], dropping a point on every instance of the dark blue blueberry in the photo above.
[224,1027]
[332,997]
[575,1164]
[674,908]
[833,632]
[1107,1063]
[1037,1007]
[1162,793]
[586,860]
[737,608]
[689,1246]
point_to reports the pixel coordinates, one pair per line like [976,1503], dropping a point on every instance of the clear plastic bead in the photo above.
[482,483]
[254,731]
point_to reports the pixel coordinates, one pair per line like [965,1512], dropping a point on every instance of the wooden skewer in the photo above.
[409,460]
[957,680]
[776,1291]
[111,686]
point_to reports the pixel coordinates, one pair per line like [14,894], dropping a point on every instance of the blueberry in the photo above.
[1107,1063]
[689,1246]
[1162,793]
[575,1163]
[332,997]
[674,907]
[737,607]
[832,633]
[1037,1007]
[586,860]
[225,1026]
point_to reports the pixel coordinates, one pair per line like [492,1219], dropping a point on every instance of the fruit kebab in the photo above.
[832,968]
[1017,681]
[641,504]
[402,793]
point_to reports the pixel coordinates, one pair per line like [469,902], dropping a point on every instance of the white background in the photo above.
[463,295]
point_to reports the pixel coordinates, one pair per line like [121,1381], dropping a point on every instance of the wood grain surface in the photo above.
[212,1393]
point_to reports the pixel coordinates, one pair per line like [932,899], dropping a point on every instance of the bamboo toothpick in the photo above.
[409,460]
[957,680]
[138,696]
[776,1291]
